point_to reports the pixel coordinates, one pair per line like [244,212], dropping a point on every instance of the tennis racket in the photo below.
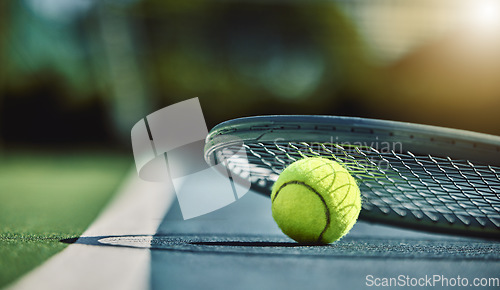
[410,175]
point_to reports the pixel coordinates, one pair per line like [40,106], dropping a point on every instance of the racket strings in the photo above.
[426,187]
[435,193]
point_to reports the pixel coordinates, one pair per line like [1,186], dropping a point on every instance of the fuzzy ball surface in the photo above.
[315,201]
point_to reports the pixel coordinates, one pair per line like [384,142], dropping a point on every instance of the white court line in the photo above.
[138,209]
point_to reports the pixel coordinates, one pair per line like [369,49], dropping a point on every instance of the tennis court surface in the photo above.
[142,242]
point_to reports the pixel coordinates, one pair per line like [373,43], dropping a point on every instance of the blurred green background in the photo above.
[83,72]
[76,75]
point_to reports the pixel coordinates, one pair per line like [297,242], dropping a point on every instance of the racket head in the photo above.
[410,175]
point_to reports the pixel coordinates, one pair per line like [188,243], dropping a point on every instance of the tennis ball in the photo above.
[315,201]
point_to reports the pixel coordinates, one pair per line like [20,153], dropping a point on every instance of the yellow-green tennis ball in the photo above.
[315,201]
